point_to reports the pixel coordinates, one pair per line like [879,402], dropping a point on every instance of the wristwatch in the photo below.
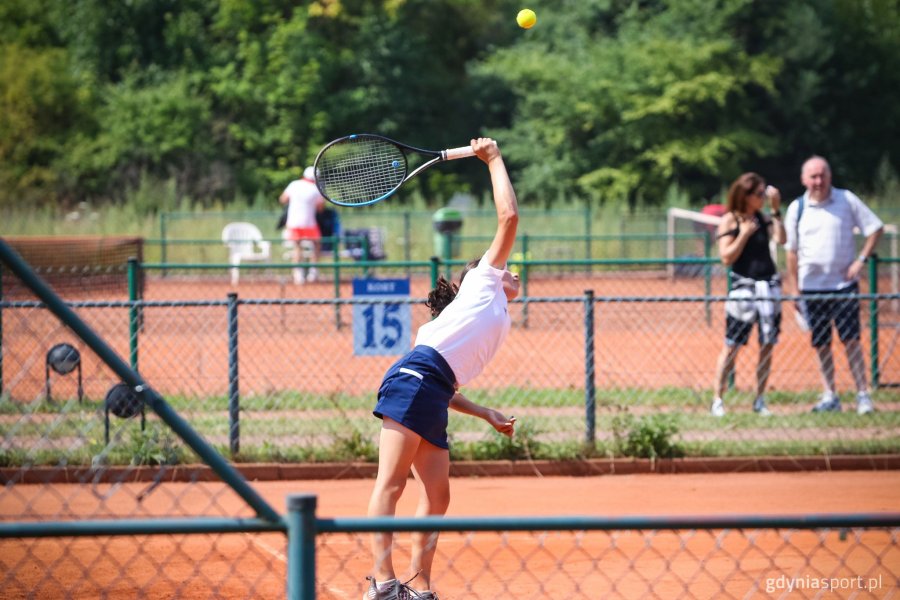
[862,258]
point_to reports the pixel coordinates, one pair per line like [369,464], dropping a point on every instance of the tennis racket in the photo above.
[363,168]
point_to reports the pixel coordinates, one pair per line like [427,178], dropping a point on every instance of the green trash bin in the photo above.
[446,223]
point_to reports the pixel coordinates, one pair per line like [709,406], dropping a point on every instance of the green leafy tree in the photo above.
[42,105]
[610,100]
[837,88]
[301,76]
[155,124]
[628,102]
[114,40]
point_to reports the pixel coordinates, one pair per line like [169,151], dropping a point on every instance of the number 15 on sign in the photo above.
[381,328]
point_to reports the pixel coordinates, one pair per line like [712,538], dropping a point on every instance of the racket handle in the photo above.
[454,153]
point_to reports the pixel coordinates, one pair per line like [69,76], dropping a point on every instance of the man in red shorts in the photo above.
[303,200]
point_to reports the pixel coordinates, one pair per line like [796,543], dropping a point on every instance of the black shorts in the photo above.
[822,312]
[737,333]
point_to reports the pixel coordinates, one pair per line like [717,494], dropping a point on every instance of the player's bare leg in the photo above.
[397,449]
[431,468]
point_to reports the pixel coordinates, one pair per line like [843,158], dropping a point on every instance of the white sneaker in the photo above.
[299,277]
[828,403]
[718,408]
[312,274]
[760,408]
[864,404]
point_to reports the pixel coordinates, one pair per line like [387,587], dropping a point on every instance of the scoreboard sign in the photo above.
[381,328]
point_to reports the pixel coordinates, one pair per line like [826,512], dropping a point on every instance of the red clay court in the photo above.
[639,564]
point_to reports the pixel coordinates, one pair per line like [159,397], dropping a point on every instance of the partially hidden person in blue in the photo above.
[822,259]
[743,237]
[470,323]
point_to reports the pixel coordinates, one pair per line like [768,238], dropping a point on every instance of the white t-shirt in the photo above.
[304,199]
[470,330]
[826,247]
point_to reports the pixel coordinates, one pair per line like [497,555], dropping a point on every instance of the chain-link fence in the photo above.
[282,379]
[586,375]
[408,235]
[73,524]
[737,557]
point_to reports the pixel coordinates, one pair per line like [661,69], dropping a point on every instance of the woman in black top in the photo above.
[743,237]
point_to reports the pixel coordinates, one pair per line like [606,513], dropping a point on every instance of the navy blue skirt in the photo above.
[416,392]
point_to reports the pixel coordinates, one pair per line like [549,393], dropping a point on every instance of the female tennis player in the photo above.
[471,322]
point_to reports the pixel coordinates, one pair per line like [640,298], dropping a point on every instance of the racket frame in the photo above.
[437,156]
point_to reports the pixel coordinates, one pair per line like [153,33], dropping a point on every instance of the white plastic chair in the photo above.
[245,243]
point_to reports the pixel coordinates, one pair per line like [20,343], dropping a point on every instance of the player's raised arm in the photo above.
[504,200]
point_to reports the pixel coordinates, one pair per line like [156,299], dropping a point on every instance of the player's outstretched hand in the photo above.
[486,149]
[501,423]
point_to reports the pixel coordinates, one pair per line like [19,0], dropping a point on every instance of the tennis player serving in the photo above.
[471,322]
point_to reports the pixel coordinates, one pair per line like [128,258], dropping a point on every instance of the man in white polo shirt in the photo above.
[822,259]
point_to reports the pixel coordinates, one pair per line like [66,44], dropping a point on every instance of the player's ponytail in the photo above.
[442,295]
[445,291]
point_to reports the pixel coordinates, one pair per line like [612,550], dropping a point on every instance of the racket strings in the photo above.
[360,170]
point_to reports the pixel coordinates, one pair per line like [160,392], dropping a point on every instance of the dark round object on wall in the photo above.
[122,401]
[63,358]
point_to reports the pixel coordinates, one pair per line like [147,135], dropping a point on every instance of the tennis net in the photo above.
[77,266]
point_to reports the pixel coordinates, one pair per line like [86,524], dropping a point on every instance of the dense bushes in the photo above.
[607,100]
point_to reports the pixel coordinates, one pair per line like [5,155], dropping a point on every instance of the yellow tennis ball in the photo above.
[526,18]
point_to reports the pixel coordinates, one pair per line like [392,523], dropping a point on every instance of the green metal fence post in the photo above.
[234,398]
[365,254]
[734,365]
[301,534]
[447,251]
[873,320]
[133,320]
[590,390]
[162,238]
[524,281]
[435,268]
[407,239]
[707,270]
[588,252]
[337,284]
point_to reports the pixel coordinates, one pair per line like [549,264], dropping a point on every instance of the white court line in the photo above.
[267,548]
[280,556]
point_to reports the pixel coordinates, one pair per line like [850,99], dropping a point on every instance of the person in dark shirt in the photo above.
[743,238]
[329,226]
